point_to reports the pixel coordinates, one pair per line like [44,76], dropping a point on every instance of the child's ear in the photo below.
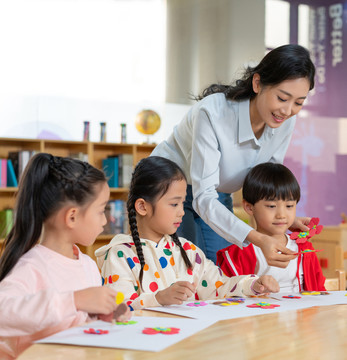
[256,85]
[141,206]
[248,207]
[71,216]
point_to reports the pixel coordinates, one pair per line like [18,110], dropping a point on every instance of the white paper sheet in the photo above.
[215,312]
[130,336]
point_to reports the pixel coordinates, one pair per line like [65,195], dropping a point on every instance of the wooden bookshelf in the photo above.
[96,151]
[333,240]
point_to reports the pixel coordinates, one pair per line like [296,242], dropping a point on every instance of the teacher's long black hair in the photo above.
[286,62]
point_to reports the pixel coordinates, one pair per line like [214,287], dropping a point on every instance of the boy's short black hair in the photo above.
[270,181]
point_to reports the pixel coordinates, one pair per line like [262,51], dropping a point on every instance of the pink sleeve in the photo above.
[27,307]
[92,270]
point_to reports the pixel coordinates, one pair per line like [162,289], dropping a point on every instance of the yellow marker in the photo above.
[311,293]
[229,304]
[119,298]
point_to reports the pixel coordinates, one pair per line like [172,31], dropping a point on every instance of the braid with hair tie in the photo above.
[137,241]
[58,169]
[86,167]
[183,252]
[55,167]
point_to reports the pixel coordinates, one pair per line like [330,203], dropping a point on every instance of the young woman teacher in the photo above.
[227,132]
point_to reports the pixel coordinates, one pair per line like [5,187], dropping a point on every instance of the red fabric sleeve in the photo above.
[233,258]
[313,276]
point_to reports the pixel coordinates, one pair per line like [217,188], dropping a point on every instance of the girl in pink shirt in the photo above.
[46,283]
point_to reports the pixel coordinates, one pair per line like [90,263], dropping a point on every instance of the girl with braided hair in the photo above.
[153,266]
[46,283]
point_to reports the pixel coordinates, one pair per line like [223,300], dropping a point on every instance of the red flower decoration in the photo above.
[263,305]
[160,330]
[96,331]
[291,297]
[301,237]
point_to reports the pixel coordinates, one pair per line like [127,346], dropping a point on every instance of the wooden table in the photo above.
[313,333]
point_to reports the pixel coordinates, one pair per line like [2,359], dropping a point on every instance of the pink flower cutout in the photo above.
[301,237]
[197,303]
[96,331]
[160,330]
[263,305]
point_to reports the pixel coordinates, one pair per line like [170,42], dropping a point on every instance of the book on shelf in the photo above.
[6,222]
[20,160]
[110,167]
[79,156]
[125,169]
[14,157]
[3,172]
[117,219]
[11,176]
[24,157]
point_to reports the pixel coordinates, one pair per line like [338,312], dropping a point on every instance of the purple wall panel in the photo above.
[313,154]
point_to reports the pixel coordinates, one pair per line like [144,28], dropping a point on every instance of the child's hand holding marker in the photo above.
[176,293]
[96,300]
[122,313]
[104,301]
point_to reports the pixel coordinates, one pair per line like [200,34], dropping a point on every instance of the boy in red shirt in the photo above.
[270,194]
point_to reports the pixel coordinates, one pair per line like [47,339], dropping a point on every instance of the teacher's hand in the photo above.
[275,254]
[300,223]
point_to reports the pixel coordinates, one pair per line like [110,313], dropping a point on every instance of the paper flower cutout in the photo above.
[197,304]
[263,305]
[160,330]
[130,322]
[291,297]
[95,331]
[301,237]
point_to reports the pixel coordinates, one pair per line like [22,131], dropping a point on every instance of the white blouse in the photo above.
[286,278]
[215,146]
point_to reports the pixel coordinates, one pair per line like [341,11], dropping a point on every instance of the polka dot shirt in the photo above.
[164,265]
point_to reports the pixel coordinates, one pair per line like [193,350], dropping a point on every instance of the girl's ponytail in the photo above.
[47,183]
[28,215]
